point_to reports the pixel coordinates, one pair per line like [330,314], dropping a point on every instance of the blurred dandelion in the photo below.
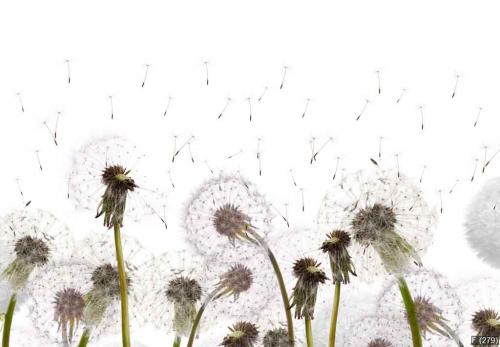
[378,331]
[31,239]
[482,223]
[438,307]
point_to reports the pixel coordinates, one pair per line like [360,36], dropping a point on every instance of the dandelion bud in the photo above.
[184,293]
[309,277]
[486,322]
[235,281]
[276,338]
[242,334]
[336,246]
[118,184]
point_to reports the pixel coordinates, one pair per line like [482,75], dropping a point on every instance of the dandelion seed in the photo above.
[363,109]
[336,168]
[285,68]
[190,152]
[476,161]
[440,201]
[259,156]
[478,115]
[146,70]
[205,63]
[170,178]
[403,91]
[293,178]
[175,148]
[438,307]
[421,111]
[263,94]
[110,97]
[283,216]
[422,174]
[306,107]
[250,108]
[18,183]
[374,162]
[234,154]
[187,142]
[489,160]
[68,187]
[397,164]
[50,132]
[315,155]
[378,80]
[68,70]
[168,106]
[380,147]
[302,199]
[20,99]
[208,167]
[457,77]
[225,107]
[312,144]
[37,152]
[454,186]
[57,124]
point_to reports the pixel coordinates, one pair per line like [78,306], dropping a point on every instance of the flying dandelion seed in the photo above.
[234,154]
[476,161]
[205,63]
[111,108]
[283,216]
[20,99]
[380,147]
[68,70]
[208,167]
[378,81]
[421,112]
[57,124]
[488,162]
[478,115]
[263,94]
[146,70]
[306,107]
[403,92]
[363,109]
[170,179]
[457,78]
[422,174]
[454,186]
[168,106]
[259,156]
[50,132]
[397,165]
[336,169]
[228,101]
[285,68]
[316,153]
[37,152]
[250,108]
[178,151]
[18,183]
[293,178]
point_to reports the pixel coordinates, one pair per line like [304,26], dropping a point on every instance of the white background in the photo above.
[332,50]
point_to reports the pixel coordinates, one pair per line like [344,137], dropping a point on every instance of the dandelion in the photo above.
[102,309]
[242,334]
[482,223]
[309,277]
[229,214]
[377,331]
[390,225]
[276,338]
[237,280]
[31,239]
[438,307]
[58,304]
[336,246]
[481,308]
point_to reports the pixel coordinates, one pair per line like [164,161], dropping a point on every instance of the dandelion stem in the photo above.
[123,286]
[85,338]
[9,315]
[197,319]
[177,341]
[335,315]
[309,336]
[411,312]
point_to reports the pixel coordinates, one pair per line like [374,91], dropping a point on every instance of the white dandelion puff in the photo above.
[378,331]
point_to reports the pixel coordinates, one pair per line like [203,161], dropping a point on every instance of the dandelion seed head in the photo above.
[183,290]
[428,314]
[105,278]
[276,338]
[32,250]
[307,271]
[236,280]
[242,334]
[482,223]
[387,218]
[230,221]
[379,342]
[486,322]
[380,329]
[68,306]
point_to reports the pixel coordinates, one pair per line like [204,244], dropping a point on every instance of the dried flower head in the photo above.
[57,302]
[105,279]
[31,238]
[104,175]
[378,331]
[483,223]
[183,290]
[224,210]
[242,334]
[236,280]
[386,218]
[438,307]
[276,338]
[309,277]
[336,246]
[482,307]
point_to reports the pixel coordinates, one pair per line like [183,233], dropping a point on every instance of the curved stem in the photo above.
[410,312]
[335,314]
[9,315]
[123,286]
[309,336]
[281,284]
[197,320]
[177,341]
[85,338]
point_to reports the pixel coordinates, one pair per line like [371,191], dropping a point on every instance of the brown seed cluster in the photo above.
[32,251]
[229,221]
[378,342]
[308,272]
[371,222]
[429,315]
[486,322]
[276,338]
[309,277]
[116,178]
[335,246]
[181,290]
[242,334]
[106,279]
[236,280]
[68,306]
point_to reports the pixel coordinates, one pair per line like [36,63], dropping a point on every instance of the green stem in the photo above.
[123,287]
[177,341]
[335,315]
[9,315]
[309,335]
[281,284]
[85,338]
[411,312]
[197,320]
